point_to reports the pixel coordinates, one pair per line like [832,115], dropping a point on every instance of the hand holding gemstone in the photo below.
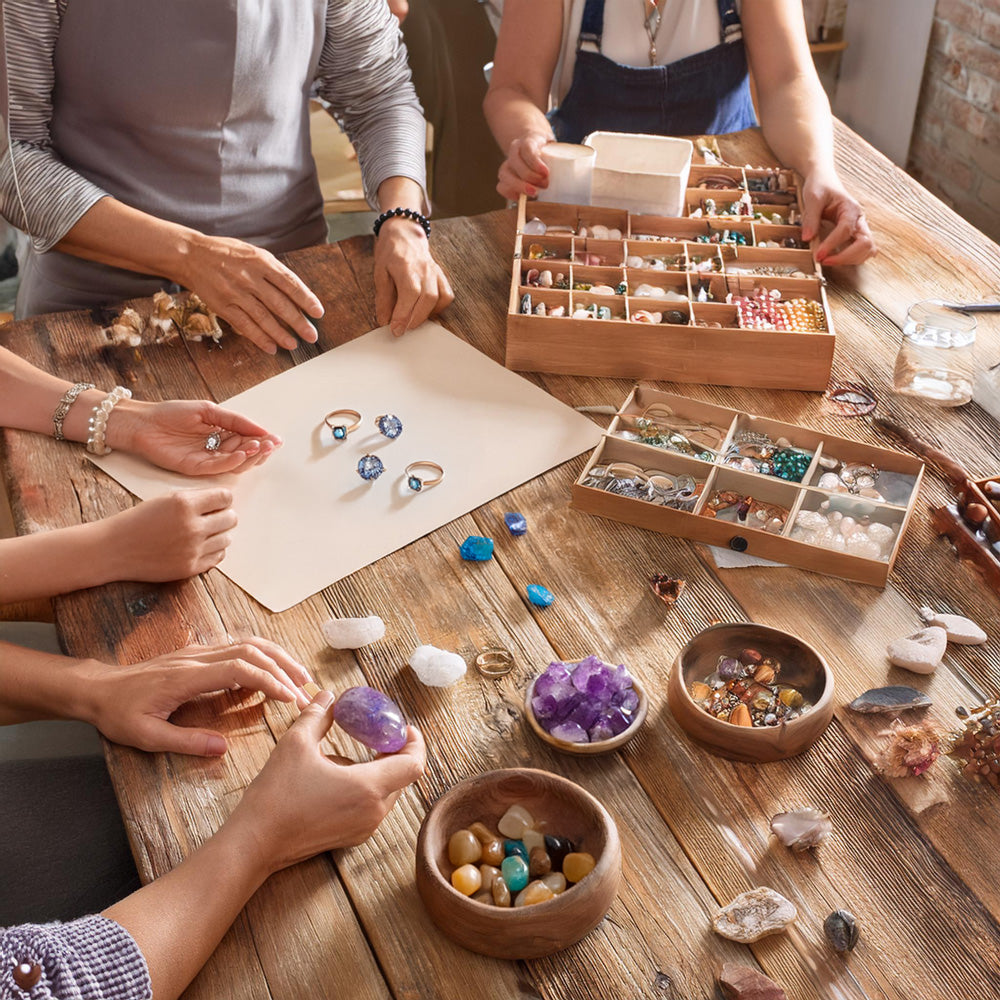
[372,718]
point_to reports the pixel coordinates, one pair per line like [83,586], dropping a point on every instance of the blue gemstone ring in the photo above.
[370,467]
[342,422]
[389,425]
[416,482]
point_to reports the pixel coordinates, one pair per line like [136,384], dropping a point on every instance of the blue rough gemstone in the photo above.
[390,425]
[476,548]
[370,467]
[516,524]
[340,432]
[415,483]
[540,596]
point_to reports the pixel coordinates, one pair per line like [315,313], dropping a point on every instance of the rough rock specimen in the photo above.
[802,829]
[889,700]
[841,930]
[353,633]
[740,982]
[437,667]
[960,629]
[921,652]
[753,915]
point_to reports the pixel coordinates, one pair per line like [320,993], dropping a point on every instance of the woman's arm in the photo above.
[795,116]
[526,57]
[302,803]
[364,76]
[132,704]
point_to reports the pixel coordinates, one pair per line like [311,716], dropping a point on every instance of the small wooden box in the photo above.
[702,341]
[898,481]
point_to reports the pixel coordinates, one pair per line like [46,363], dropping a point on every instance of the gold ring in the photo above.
[341,429]
[417,483]
[495,662]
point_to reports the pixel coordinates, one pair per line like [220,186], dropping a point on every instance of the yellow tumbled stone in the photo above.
[467,879]
[577,865]
[534,892]
[463,848]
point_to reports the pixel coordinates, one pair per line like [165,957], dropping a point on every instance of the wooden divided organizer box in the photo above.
[728,295]
[770,489]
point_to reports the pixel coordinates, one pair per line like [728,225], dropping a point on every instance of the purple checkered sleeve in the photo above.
[93,958]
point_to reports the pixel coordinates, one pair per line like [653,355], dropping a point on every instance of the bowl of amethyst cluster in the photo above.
[585,708]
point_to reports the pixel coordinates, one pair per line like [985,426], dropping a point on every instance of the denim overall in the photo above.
[707,93]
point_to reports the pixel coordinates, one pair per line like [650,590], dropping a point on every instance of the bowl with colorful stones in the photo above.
[588,707]
[517,863]
[751,692]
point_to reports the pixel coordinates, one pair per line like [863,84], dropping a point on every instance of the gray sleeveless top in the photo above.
[195,111]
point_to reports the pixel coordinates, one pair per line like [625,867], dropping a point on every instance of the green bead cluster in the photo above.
[790,464]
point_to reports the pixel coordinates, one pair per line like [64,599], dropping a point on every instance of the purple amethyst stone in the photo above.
[570,732]
[372,718]
[730,669]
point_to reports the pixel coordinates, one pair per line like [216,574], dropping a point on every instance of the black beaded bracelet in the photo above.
[407,213]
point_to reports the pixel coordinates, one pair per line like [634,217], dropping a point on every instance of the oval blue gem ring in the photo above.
[416,482]
[342,422]
[389,425]
[370,467]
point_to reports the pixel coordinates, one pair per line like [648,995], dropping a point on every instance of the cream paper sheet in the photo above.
[306,519]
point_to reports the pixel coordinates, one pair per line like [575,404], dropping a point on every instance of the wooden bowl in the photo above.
[801,667]
[530,931]
[588,749]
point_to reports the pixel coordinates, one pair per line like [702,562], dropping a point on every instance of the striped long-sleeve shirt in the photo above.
[362,73]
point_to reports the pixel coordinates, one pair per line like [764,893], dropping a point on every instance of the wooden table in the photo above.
[922,881]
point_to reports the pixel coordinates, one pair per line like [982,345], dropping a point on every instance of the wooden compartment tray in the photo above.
[701,339]
[720,428]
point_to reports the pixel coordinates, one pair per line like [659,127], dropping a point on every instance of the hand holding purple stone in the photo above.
[372,718]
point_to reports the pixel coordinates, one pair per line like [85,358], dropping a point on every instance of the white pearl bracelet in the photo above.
[98,424]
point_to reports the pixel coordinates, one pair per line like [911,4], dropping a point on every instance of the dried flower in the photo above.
[909,750]
[977,745]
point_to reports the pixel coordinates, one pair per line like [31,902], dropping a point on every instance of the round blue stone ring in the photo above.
[370,467]
[342,422]
[389,425]
[416,482]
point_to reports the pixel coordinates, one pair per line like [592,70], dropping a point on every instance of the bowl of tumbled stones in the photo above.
[589,707]
[750,692]
[518,863]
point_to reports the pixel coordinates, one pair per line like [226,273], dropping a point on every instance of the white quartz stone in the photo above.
[353,633]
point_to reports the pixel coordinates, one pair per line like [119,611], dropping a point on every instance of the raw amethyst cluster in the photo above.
[585,702]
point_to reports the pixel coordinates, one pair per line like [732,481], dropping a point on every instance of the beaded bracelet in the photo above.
[98,425]
[406,213]
[68,399]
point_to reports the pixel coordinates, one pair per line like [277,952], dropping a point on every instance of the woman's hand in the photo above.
[850,240]
[132,704]
[524,171]
[304,802]
[167,538]
[251,290]
[409,284]
[172,435]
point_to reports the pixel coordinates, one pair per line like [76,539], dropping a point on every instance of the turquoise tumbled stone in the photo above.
[540,596]
[515,848]
[515,872]
[476,548]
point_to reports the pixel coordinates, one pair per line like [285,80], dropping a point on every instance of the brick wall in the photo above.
[955,150]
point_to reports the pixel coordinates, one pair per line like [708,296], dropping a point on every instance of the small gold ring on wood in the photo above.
[495,662]
[340,427]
